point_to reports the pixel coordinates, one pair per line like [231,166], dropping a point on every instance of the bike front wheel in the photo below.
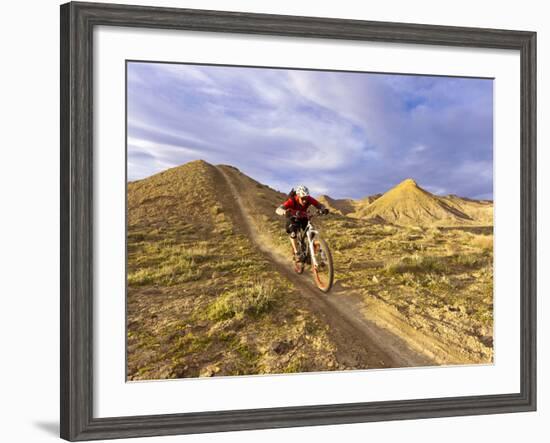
[298,267]
[323,272]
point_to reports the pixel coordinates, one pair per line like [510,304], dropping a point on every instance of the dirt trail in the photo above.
[362,342]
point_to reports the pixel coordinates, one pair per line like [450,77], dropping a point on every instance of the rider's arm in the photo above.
[288,204]
[318,205]
[281,210]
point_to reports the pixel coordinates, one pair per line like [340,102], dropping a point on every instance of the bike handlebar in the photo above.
[309,215]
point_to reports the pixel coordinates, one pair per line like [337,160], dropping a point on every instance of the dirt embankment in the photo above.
[372,331]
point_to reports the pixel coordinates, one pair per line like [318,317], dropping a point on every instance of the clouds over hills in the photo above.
[346,134]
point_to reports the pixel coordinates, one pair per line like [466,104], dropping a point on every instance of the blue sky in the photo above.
[339,133]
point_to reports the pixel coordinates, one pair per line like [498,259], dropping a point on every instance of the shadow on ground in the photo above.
[49,427]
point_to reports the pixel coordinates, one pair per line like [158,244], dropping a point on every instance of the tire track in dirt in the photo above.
[361,342]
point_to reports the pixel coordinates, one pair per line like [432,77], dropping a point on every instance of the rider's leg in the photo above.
[294,246]
[291,229]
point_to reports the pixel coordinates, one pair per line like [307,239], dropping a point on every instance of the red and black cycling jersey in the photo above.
[299,210]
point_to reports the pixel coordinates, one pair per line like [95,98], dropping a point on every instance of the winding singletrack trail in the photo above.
[362,341]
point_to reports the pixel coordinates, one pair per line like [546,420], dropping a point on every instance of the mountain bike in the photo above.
[314,251]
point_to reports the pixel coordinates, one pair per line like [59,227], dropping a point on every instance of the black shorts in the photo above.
[293,226]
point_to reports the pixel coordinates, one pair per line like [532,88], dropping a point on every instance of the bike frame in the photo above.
[307,242]
[310,232]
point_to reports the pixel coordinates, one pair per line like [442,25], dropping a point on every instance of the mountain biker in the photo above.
[295,208]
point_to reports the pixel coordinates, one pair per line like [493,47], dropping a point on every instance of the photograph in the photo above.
[284,220]
[290,218]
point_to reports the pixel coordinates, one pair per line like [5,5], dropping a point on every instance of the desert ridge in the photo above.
[406,204]
[409,204]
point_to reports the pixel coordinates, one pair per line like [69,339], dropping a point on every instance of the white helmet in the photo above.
[302,191]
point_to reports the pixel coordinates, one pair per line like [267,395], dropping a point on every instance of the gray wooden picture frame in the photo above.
[77,23]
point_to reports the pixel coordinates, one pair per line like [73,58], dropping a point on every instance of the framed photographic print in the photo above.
[272,221]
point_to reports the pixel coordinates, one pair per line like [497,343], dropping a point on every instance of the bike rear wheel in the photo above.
[324,271]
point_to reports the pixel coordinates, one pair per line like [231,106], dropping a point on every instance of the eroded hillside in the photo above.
[204,299]
[201,299]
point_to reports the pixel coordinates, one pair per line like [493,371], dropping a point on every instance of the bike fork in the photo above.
[312,249]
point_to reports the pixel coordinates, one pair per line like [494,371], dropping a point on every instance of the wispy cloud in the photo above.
[345,134]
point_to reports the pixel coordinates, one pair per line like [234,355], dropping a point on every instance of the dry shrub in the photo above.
[254,299]
[483,242]
[415,263]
